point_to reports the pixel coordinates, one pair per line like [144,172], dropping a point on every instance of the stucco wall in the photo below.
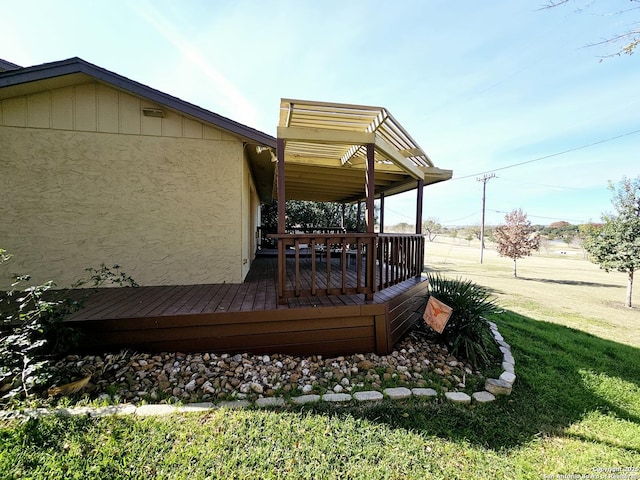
[166,209]
[250,218]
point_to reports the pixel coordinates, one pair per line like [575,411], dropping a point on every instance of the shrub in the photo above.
[467,333]
[32,330]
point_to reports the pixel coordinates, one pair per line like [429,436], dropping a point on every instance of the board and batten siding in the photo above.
[88,179]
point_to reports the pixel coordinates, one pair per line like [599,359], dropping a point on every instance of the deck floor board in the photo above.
[257,293]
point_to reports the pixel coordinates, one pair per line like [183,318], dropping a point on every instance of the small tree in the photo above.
[616,245]
[516,239]
[431,228]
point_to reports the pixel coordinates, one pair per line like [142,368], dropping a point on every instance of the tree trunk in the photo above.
[515,270]
[627,301]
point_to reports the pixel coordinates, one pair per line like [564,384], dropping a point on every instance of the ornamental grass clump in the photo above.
[467,332]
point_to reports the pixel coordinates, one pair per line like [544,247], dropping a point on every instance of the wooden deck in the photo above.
[245,317]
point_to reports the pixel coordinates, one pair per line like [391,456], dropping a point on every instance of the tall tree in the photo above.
[616,245]
[516,239]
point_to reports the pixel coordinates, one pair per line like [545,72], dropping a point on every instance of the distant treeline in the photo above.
[564,231]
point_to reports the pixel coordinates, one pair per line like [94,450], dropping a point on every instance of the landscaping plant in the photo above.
[33,332]
[467,331]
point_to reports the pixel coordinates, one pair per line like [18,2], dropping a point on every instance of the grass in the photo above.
[563,289]
[575,410]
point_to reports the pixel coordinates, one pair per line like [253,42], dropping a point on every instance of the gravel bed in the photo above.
[193,377]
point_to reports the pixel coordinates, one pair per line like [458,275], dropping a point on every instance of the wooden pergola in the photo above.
[347,153]
[332,152]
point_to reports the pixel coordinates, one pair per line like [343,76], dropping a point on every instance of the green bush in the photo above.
[467,332]
[33,332]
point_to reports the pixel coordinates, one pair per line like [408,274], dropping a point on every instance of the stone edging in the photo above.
[493,386]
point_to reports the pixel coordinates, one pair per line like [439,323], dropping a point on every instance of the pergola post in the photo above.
[420,259]
[281,196]
[370,190]
[419,207]
[370,187]
[382,212]
[281,221]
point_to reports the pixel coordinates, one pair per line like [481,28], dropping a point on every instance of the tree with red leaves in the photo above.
[516,239]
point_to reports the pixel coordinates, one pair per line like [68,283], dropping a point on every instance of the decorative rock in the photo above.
[270,402]
[424,392]
[508,357]
[303,399]
[370,396]
[131,376]
[508,377]
[397,393]
[196,407]
[508,367]
[458,397]
[366,365]
[336,397]
[155,410]
[483,397]
[234,404]
[68,412]
[497,386]
[257,388]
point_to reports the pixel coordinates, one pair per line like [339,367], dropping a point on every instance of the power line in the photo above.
[463,218]
[546,218]
[551,155]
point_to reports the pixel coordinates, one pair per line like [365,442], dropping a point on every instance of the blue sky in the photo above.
[479,85]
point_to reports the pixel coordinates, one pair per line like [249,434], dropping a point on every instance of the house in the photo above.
[97,168]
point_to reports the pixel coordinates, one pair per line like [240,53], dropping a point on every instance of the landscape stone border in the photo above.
[502,385]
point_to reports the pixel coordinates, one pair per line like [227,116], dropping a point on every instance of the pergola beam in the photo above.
[324,135]
[393,155]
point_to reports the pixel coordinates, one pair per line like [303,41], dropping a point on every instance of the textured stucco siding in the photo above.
[166,209]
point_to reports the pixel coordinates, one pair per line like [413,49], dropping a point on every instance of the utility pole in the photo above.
[484,181]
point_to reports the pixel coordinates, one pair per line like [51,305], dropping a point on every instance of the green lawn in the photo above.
[575,409]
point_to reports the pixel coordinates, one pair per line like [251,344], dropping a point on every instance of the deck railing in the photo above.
[400,257]
[322,264]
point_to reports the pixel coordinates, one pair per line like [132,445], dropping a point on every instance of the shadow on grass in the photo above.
[570,282]
[554,366]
